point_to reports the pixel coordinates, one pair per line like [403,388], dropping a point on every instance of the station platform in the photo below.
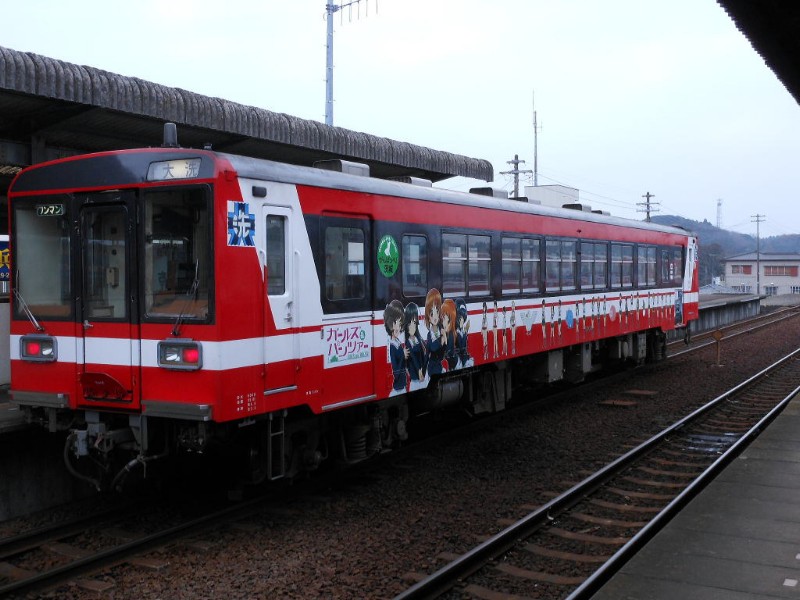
[739,539]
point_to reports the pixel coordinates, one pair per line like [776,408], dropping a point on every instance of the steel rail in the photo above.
[448,576]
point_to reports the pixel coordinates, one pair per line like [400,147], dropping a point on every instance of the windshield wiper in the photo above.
[191,294]
[26,310]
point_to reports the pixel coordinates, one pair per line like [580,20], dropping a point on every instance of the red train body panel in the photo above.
[180,290]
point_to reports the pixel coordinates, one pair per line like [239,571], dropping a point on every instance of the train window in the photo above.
[520,265]
[466,264]
[552,268]
[344,263]
[646,265]
[593,265]
[276,255]
[42,257]
[454,264]
[415,265]
[621,266]
[672,266]
[568,257]
[105,279]
[587,265]
[530,265]
[600,266]
[560,257]
[177,253]
[512,265]
[479,265]
[678,264]
[627,266]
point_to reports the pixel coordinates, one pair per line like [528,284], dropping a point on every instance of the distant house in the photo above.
[765,274]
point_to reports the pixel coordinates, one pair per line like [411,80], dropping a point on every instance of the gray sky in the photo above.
[632,96]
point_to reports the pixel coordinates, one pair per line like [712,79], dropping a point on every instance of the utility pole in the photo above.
[758,219]
[648,205]
[535,144]
[516,172]
[330,9]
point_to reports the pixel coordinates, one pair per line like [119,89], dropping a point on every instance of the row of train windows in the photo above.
[467,265]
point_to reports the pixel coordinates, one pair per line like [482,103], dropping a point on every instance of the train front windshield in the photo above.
[42,253]
[177,253]
[95,247]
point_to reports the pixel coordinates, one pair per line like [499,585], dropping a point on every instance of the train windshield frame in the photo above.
[171,273]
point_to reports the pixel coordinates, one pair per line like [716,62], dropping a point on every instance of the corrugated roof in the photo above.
[773,29]
[80,108]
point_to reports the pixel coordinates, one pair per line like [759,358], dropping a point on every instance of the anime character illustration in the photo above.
[559,318]
[494,330]
[436,339]
[393,321]
[528,319]
[503,330]
[513,322]
[415,352]
[485,332]
[544,323]
[462,334]
[449,333]
[587,321]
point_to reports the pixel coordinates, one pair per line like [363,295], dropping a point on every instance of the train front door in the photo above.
[108,317]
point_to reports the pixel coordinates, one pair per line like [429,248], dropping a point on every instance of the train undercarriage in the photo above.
[106,450]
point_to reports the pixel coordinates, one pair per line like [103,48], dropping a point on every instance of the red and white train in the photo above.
[165,299]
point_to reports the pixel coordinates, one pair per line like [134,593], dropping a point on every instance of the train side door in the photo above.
[281,319]
[347,322]
[110,332]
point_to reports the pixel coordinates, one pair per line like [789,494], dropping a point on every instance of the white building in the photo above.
[766,274]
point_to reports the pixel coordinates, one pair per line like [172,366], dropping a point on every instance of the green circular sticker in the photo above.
[388,256]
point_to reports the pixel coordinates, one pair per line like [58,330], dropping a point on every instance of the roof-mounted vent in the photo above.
[578,206]
[489,191]
[412,180]
[170,136]
[601,212]
[343,166]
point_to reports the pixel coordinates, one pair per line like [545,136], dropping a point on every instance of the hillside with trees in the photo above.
[717,244]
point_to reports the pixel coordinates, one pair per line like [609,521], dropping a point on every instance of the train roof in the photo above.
[285,173]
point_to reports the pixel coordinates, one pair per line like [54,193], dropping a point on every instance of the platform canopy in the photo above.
[50,108]
[773,29]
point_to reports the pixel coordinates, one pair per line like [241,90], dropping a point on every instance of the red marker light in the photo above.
[33,348]
[191,355]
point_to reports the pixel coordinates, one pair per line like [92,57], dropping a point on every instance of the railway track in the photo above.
[746,326]
[17,580]
[569,546]
[69,550]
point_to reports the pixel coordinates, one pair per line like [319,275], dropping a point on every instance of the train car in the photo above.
[167,299]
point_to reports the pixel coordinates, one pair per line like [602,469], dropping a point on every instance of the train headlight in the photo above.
[182,355]
[38,348]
